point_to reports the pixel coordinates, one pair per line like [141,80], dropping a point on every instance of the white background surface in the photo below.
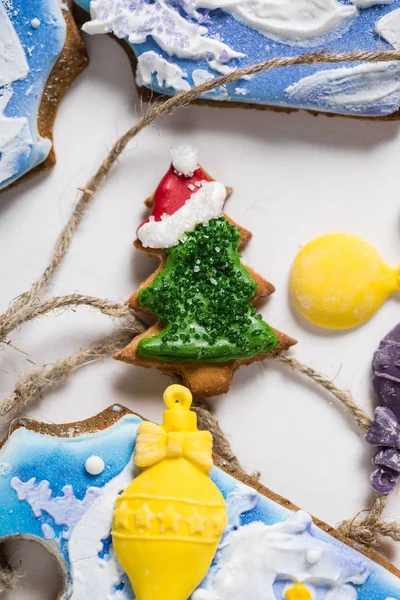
[294,177]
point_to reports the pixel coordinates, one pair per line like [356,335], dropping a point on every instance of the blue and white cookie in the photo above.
[182,43]
[41,53]
[59,484]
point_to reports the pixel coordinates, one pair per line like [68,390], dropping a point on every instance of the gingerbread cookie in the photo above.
[201,294]
[41,53]
[61,485]
[180,45]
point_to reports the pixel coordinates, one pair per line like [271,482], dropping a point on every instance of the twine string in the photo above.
[27,306]
[345,396]
[38,309]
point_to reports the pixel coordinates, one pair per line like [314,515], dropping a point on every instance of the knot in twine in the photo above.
[368,530]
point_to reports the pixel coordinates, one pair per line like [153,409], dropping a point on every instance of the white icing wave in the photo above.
[15,139]
[205,204]
[65,510]
[388,27]
[351,89]
[94,577]
[284,551]
[136,20]
[285,20]
[13,63]
[168,75]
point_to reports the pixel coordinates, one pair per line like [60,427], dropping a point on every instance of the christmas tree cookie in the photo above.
[201,294]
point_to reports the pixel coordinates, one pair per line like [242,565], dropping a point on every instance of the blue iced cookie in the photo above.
[59,485]
[41,53]
[181,43]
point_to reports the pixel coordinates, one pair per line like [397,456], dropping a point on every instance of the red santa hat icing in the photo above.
[185,197]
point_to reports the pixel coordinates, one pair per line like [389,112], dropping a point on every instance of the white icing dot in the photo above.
[94,465]
[35,23]
[213,281]
[313,556]
[196,268]
[184,159]
[117,409]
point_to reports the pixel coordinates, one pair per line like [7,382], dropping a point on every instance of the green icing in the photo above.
[203,297]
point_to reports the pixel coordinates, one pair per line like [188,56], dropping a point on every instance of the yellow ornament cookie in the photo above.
[169,521]
[339,281]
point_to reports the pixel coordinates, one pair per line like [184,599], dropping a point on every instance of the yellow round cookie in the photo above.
[339,281]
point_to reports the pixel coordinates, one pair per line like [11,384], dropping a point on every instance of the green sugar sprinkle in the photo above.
[203,298]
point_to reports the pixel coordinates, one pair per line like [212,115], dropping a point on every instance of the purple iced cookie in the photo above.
[385,429]
[384,480]
[388,457]
[386,368]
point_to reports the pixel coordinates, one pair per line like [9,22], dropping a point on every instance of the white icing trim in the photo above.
[388,27]
[137,20]
[284,20]
[205,204]
[184,159]
[15,139]
[93,577]
[351,88]
[168,75]
[254,557]
[13,63]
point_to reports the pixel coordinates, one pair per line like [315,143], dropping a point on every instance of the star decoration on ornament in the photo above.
[123,517]
[143,517]
[218,524]
[169,519]
[196,523]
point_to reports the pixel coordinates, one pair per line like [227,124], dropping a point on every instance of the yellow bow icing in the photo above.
[153,444]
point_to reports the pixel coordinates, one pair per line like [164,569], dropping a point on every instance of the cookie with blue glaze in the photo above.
[41,53]
[181,43]
[58,486]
